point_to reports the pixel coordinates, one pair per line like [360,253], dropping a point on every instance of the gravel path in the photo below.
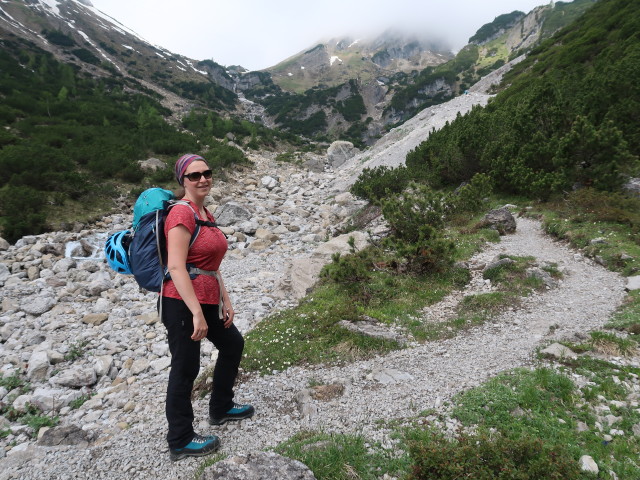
[400,384]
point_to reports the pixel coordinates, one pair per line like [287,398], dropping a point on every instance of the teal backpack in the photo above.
[148,245]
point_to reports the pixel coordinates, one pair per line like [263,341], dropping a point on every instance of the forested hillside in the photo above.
[67,136]
[568,118]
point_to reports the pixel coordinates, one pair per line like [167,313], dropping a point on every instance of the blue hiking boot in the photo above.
[198,447]
[238,412]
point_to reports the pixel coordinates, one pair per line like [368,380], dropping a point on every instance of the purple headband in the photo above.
[184,162]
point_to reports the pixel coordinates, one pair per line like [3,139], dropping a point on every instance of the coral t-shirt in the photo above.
[206,253]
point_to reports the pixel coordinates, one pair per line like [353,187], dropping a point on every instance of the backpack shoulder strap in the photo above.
[196,232]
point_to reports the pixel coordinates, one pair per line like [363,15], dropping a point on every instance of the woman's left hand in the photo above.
[227,314]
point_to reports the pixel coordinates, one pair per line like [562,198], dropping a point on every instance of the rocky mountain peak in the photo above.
[339,59]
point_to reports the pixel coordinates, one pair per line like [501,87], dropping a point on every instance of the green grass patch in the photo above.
[470,242]
[76,350]
[11,382]
[78,402]
[310,334]
[626,319]
[546,404]
[604,377]
[611,344]
[37,421]
[472,311]
[31,416]
[486,304]
[343,457]
[519,394]
[601,224]
[628,315]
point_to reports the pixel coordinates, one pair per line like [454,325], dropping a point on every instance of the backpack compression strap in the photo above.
[207,223]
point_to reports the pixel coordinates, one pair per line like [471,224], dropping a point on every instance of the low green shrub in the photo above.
[11,382]
[37,421]
[352,272]
[76,350]
[470,197]
[374,184]
[417,220]
[490,457]
[605,206]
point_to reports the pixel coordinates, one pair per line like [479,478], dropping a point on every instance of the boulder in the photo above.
[152,164]
[247,227]
[299,277]
[269,182]
[340,244]
[313,162]
[231,213]
[51,399]
[38,369]
[160,364]
[633,186]
[38,305]
[139,365]
[102,365]
[75,377]
[344,198]
[559,351]
[498,263]
[501,220]
[259,245]
[4,273]
[63,265]
[64,435]
[83,249]
[339,152]
[633,283]
[588,464]
[99,282]
[543,275]
[95,318]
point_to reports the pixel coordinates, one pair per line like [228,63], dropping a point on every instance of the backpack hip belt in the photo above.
[210,273]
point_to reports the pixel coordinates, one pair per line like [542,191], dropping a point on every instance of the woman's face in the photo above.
[194,178]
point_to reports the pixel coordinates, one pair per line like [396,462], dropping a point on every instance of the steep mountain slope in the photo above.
[389,86]
[508,36]
[83,101]
[566,118]
[339,60]
[78,34]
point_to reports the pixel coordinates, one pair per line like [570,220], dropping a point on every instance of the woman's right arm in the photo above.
[178,240]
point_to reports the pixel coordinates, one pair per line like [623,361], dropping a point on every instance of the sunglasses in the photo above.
[195,176]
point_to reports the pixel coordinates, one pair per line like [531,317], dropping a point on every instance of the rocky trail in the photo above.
[120,431]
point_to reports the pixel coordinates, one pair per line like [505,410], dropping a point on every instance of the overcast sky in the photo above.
[260,33]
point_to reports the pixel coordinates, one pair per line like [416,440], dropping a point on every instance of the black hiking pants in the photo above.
[185,365]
